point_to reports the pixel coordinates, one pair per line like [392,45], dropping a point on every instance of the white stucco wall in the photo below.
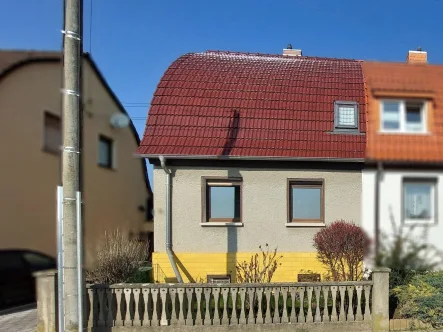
[391,205]
[264,214]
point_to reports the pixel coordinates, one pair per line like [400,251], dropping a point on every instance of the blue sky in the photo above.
[134,41]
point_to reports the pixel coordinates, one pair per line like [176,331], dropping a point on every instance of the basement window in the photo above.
[346,116]
[219,279]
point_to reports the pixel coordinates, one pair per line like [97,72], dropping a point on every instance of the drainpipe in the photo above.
[168,219]
[378,177]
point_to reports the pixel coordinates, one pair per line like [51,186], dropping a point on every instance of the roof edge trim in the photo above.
[350,160]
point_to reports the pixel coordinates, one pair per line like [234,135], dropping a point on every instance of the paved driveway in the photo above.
[23,321]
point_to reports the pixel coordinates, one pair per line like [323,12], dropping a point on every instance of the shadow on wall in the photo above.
[231,138]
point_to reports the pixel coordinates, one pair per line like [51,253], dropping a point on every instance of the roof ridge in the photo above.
[269,55]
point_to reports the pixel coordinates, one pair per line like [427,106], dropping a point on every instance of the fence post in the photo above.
[380,299]
[46,287]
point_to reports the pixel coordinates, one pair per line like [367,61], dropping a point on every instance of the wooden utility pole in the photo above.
[72,57]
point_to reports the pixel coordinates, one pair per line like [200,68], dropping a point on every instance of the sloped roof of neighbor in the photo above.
[401,80]
[222,104]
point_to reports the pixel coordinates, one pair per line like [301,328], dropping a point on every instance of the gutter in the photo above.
[168,220]
[378,177]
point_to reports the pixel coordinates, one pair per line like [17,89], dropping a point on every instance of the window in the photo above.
[222,200]
[218,279]
[306,200]
[403,116]
[419,201]
[346,116]
[105,154]
[52,133]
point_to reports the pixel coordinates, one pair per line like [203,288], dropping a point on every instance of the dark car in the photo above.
[17,284]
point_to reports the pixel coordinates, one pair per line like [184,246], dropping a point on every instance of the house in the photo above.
[403,180]
[117,192]
[249,149]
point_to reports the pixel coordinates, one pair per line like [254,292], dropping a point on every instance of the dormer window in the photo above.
[403,116]
[346,116]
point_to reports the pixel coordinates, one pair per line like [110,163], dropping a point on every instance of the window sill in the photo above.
[221,224]
[305,224]
[109,168]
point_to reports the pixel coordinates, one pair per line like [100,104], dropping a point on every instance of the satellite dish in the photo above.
[119,120]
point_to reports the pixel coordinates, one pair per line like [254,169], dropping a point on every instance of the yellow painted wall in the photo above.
[194,267]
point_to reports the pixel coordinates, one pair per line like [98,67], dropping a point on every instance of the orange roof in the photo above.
[402,80]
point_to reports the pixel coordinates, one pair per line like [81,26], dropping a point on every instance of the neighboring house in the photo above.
[404,149]
[117,193]
[250,149]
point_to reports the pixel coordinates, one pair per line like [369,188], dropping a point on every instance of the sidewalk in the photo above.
[22,321]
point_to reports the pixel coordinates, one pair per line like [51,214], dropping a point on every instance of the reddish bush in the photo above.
[341,247]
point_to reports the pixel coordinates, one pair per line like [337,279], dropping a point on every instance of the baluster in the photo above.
[128,318]
[145,292]
[207,318]
[293,315]
[181,307]
[359,315]
[91,313]
[285,318]
[260,317]
[198,315]
[309,317]
[137,319]
[118,308]
[342,315]
[334,316]
[350,316]
[216,293]
[276,318]
[367,297]
[301,314]
[326,317]
[155,321]
[164,314]
[173,294]
[242,315]
[225,318]
[101,300]
[234,317]
[109,312]
[317,317]
[268,316]
[251,298]
[189,296]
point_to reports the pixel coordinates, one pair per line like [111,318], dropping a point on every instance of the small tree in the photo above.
[118,259]
[260,268]
[342,246]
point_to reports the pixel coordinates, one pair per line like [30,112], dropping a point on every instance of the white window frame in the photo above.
[403,124]
[433,182]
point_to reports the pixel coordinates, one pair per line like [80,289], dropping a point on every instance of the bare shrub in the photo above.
[118,258]
[342,246]
[260,268]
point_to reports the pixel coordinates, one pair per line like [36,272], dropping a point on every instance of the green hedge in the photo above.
[422,298]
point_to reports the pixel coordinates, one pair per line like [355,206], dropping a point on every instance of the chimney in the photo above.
[418,56]
[288,51]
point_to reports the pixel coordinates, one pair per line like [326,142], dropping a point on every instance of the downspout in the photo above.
[168,220]
[378,177]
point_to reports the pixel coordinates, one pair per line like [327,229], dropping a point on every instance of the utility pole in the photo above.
[72,57]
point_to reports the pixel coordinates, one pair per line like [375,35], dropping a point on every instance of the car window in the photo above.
[10,261]
[37,260]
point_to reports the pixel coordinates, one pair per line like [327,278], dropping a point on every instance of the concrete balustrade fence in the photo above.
[320,306]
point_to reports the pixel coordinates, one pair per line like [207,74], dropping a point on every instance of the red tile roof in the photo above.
[254,105]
